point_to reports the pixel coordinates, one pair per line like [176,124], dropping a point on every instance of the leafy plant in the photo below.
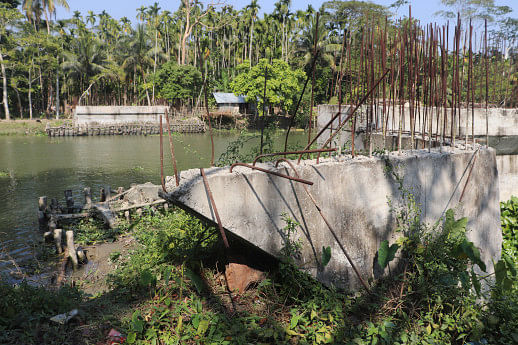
[509,217]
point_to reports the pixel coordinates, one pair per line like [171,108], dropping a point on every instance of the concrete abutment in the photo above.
[353,194]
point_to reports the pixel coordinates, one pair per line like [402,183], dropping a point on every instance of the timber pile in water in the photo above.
[190,126]
[52,215]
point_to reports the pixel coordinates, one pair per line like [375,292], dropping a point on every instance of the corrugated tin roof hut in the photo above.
[230,103]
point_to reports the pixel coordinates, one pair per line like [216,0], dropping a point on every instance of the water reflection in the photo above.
[37,166]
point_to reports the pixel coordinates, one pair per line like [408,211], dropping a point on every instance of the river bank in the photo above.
[32,166]
[28,127]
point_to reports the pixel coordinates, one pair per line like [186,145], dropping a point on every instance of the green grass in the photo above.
[27,127]
[170,290]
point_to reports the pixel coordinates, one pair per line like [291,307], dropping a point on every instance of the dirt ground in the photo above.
[91,277]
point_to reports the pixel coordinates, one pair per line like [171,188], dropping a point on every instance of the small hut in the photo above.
[232,104]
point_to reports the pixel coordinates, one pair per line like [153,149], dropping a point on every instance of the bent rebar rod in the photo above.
[271,172]
[327,223]
[213,204]
[348,116]
[353,112]
[291,153]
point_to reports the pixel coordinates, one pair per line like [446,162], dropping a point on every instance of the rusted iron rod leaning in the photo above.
[327,223]
[292,119]
[355,109]
[171,145]
[213,204]
[162,156]
[271,172]
[291,153]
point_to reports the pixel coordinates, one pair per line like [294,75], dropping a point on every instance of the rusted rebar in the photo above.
[319,209]
[271,173]
[313,81]
[291,153]
[171,146]
[162,182]
[264,104]
[214,208]
[292,119]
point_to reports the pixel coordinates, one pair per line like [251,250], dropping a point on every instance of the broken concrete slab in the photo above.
[353,193]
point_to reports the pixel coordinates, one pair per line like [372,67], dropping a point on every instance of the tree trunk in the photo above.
[251,38]
[30,94]
[154,64]
[19,103]
[147,92]
[4,91]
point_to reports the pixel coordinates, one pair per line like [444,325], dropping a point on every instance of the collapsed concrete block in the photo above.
[353,194]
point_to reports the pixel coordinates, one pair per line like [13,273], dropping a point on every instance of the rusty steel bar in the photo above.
[469,176]
[298,103]
[291,153]
[162,157]
[487,78]
[351,262]
[341,74]
[313,81]
[171,146]
[264,104]
[213,204]
[355,109]
[204,77]
[271,173]
[210,125]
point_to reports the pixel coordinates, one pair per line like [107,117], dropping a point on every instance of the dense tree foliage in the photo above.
[177,82]
[96,59]
[282,83]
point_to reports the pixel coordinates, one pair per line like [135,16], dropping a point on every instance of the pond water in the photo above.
[34,166]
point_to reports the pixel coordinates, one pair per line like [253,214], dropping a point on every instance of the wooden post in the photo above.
[88,196]
[58,234]
[102,196]
[48,236]
[81,255]
[120,190]
[166,206]
[69,200]
[71,249]
[108,192]
[42,203]
[139,212]
[127,216]
[42,221]
[54,205]
[52,223]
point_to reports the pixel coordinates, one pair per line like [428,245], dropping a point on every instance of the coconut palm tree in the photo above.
[252,9]
[138,59]
[34,8]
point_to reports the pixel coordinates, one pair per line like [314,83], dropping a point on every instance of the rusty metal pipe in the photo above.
[292,119]
[213,204]
[291,153]
[354,110]
[162,157]
[171,146]
[327,223]
[271,173]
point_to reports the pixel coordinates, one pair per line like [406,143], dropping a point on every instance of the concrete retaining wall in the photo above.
[502,122]
[353,194]
[110,115]
[503,137]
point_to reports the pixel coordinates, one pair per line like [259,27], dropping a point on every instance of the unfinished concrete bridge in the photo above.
[353,197]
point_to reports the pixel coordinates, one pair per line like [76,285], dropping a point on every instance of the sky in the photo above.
[421,9]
